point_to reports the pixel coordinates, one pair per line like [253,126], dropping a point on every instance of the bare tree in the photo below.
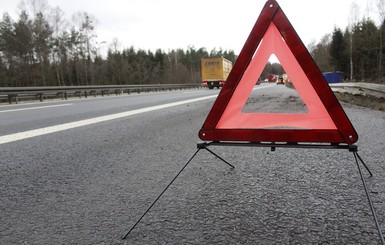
[320,53]
[353,20]
[85,26]
[33,7]
[59,26]
[42,33]
[381,12]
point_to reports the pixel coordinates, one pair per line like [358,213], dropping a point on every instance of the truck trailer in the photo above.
[215,71]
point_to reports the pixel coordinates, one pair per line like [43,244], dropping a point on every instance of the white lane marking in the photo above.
[52,129]
[48,130]
[35,108]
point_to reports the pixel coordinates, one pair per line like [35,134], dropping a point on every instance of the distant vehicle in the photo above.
[215,71]
[282,79]
[285,78]
[272,78]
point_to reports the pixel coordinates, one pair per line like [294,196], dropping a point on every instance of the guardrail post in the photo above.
[61,94]
[10,96]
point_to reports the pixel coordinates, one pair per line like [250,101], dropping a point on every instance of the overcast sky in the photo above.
[172,24]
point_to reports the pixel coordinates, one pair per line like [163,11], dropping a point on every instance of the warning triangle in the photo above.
[325,120]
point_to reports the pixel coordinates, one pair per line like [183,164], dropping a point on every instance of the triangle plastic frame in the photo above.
[342,130]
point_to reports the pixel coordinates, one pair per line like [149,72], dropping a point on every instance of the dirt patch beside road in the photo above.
[362,100]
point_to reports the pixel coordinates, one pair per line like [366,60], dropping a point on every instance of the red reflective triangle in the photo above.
[325,121]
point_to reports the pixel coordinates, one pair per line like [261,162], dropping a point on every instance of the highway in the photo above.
[13,117]
[83,171]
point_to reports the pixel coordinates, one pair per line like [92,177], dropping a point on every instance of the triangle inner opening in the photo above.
[236,115]
[274,92]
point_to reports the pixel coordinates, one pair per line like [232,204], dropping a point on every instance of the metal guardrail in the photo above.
[11,94]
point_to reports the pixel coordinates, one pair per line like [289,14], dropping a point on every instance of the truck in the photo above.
[272,78]
[215,71]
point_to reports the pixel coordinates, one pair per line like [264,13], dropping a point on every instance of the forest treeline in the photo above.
[358,51]
[45,49]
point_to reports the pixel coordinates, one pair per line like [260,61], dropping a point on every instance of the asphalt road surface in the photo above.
[84,171]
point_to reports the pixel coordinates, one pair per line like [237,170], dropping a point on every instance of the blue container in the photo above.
[334,77]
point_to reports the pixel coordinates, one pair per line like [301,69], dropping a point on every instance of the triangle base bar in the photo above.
[352,148]
[272,135]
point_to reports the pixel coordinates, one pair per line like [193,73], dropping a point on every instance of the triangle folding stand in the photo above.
[324,126]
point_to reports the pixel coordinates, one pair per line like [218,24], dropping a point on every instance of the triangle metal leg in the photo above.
[223,160]
[200,146]
[357,157]
[165,189]
[205,145]
[363,163]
